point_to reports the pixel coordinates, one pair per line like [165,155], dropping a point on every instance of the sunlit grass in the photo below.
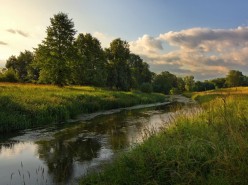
[24,106]
[207,147]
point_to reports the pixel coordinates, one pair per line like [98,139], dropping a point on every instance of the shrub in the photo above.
[146,88]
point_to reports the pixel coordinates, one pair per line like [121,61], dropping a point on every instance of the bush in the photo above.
[9,76]
[146,88]
[174,91]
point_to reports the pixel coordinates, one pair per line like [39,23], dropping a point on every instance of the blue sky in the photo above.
[193,37]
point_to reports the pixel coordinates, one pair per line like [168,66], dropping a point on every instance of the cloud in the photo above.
[16,31]
[105,39]
[146,43]
[203,52]
[3,43]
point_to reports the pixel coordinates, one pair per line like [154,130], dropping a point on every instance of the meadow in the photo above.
[27,105]
[208,146]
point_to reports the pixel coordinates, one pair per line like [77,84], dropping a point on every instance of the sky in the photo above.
[205,39]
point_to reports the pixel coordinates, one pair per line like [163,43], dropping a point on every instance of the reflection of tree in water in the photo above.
[60,155]
[8,145]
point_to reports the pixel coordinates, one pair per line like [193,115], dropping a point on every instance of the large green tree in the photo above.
[119,73]
[91,66]
[56,54]
[139,71]
[234,78]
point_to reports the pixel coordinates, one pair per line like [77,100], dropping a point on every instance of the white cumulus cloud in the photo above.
[203,52]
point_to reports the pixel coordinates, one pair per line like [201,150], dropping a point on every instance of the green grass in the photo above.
[26,106]
[207,147]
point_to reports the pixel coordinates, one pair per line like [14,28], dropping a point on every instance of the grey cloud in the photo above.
[16,31]
[205,37]
[3,43]
[22,33]
[11,31]
[202,52]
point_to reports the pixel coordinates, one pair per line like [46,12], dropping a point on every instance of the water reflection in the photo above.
[60,154]
[79,147]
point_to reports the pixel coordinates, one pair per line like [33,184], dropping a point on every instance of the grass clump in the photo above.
[27,106]
[208,147]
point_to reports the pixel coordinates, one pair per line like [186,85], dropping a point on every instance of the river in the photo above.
[62,153]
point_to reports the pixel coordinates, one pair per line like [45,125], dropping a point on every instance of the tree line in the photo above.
[64,59]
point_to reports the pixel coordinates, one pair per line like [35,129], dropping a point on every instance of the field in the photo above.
[208,147]
[26,106]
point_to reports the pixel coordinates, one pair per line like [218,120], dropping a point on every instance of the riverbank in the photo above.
[25,106]
[206,147]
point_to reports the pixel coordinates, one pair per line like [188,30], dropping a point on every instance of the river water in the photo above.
[64,152]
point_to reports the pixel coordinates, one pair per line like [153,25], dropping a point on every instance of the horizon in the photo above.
[203,39]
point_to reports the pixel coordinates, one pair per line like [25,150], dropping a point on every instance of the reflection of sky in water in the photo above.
[76,149]
[21,157]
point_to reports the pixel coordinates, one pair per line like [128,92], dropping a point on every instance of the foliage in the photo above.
[91,69]
[164,82]
[139,71]
[234,78]
[146,88]
[208,146]
[219,82]
[189,83]
[9,76]
[25,106]
[203,86]
[56,54]
[21,64]
[119,73]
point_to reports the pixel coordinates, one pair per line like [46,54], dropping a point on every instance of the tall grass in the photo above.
[26,106]
[208,147]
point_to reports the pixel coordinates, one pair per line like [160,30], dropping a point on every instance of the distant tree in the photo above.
[180,85]
[12,63]
[245,80]
[9,76]
[189,83]
[139,71]
[164,82]
[21,64]
[119,73]
[56,54]
[91,69]
[203,86]
[146,88]
[219,82]
[234,78]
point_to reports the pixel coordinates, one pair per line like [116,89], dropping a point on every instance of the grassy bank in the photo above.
[26,106]
[209,147]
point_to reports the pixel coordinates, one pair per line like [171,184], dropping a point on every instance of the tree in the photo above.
[56,54]
[203,86]
[189,83]
[8,76]
[164,82]
[21,64]
[180,84]
[119,73]
[140,72]
[91,68]
[219,82]
[234,78]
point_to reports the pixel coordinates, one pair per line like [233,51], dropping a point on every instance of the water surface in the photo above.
[64,152]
